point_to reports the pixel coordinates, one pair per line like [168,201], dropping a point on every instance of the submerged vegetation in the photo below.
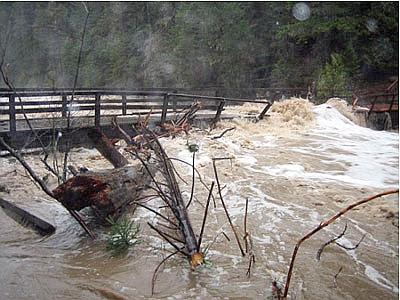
[230,45]
[123,235]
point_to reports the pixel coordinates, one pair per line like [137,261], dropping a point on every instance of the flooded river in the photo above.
[297,168]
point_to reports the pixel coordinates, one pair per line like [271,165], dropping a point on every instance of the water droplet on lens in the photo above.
[371,24]
[301,11]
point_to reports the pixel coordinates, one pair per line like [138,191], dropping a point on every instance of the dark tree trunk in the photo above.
[107,149]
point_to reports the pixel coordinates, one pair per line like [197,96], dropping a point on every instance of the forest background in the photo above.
[335,48]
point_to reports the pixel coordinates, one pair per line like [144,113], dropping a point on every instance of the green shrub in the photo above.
[334,79]
[123,234]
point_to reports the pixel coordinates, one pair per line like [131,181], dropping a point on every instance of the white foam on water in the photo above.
[368,157]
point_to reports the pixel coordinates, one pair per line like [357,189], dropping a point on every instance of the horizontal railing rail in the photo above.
[106,103]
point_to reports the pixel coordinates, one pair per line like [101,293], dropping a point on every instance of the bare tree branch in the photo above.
[323,225]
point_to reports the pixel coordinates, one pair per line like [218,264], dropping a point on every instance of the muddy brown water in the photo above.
[295,170]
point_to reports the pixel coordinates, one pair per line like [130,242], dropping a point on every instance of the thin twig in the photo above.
[226,210]
[198,175]
[323,225]
[27,167]
[335,277]
[162,234]
[154,278]
[193,180]
[226,236]
[223,133]
[321,249]
[205,217]
[245,226]
[157,213]
[354,247]
[68,146]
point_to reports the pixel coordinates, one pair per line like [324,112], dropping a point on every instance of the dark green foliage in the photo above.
[334,79]
[193,44]
[122,235]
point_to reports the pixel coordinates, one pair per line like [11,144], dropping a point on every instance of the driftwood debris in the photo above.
[106,148]
[106,191]
[26,218]
[173,199]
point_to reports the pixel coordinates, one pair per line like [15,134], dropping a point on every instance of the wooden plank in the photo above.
[50,102]
[64,106]
[82,93]
[218,113]
[164,109]
[218,98]
[12,118]
[22,216]
[75,108]
[123,99]
[145,100]
[97,111]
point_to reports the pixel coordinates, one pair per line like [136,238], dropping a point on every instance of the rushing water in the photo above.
[296,171]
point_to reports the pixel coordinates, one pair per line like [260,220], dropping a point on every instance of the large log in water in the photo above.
[107,191]
[106,148]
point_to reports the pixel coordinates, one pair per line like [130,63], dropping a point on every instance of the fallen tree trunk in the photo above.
[106,191]
[107,149]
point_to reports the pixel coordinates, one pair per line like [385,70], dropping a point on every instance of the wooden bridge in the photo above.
[51,110]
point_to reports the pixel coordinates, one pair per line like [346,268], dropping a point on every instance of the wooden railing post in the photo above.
[262,114]
[64,105]
[218,113]
[174,102]
[372,106]
[11,107]
[392,102]
[164,109]
[123,104]
[97,110]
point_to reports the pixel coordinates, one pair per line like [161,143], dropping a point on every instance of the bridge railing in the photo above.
[96,103]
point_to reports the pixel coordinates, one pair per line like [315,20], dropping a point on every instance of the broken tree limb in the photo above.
[170,193]
[106,148]
[177,202]
[323,225]
[205,217]
[123,133]
[224,206]
[223,133]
